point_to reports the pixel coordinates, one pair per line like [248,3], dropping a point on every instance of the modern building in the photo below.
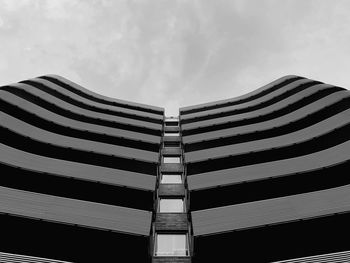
[263,177]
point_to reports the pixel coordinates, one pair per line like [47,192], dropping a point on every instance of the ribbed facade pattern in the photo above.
[77,161]
[15,258]
[263,177]
[261,164]
[340,257]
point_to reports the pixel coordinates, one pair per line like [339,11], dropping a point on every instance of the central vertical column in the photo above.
[171,223]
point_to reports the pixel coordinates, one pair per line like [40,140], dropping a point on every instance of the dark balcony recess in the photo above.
[276,242]
[237,102]
[90,97]
[69,114]
[92,191]
[325,141]
[69,242]
[269,116]
[27,144]
[292,184]
[290,127]
[41,123]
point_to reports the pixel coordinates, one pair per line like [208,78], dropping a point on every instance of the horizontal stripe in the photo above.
[316,130]
[27,144]
[297,183]
[16,258]
[260,103]
[272,211]
[312,145]
[270,102]
[100,98]
[80,101]
[34,133]
[317,160]
[74,188]
[77,123]
[82,213]
[338,257]
[33,162]
[281,82]
[299,238]
[295,107]
[28,89]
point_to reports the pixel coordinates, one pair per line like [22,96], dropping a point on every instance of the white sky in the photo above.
[172,53]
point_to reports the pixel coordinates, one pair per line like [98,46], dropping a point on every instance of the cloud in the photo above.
[174,53]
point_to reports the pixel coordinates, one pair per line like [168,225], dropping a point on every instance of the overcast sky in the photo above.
[172,53]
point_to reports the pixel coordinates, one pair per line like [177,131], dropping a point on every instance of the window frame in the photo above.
[171,134]
[171,212]
[178,175]
[186,245]
[169,157]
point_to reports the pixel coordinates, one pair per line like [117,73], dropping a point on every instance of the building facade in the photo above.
[263,177]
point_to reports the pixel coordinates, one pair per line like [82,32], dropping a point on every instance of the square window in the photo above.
[172,159]
[171,134]
[171,205]
[168,245]
[171,179]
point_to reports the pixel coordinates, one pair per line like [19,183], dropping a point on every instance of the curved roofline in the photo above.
[99,96]
[241,97]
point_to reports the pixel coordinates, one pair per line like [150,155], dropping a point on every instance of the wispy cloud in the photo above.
[174,53]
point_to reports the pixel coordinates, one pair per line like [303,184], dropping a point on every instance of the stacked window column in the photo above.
[171,226]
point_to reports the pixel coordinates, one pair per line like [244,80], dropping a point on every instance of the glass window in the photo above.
[171,245]
[171,160]
[171,179]
[171,134]
[171,205]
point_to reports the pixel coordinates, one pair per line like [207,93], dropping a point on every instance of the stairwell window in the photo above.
[171,179]
[172,159]
[171,134]
[170,205]
[169,245]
